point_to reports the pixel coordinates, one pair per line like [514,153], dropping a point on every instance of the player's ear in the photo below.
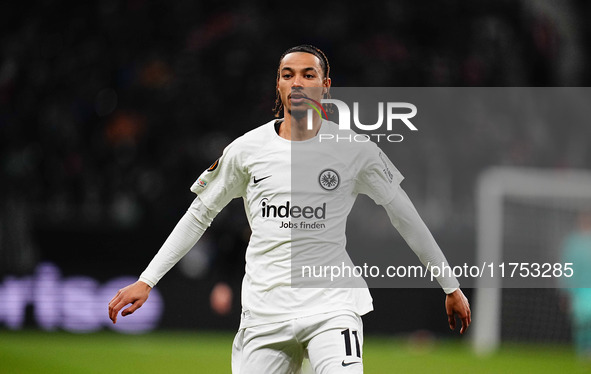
[326,83]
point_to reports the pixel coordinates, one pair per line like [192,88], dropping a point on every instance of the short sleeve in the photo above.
[377,177]
[223,181]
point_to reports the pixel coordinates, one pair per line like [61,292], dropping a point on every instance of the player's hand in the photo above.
[135,294]
[457,303]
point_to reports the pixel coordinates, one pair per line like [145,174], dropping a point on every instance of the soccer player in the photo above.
[577,251]
[297,195]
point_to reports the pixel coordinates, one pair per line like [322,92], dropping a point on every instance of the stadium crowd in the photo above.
[110,109]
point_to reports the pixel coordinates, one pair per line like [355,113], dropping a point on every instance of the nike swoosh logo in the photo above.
[350,363]
[255,180]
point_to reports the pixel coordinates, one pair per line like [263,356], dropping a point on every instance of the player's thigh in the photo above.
[266,349]
[337,345]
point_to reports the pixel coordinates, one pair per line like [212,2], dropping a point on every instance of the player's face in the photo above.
[300,76]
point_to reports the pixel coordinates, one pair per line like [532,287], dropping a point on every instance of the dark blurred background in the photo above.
[110,110]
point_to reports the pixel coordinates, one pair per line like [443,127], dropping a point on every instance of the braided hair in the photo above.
[306,48]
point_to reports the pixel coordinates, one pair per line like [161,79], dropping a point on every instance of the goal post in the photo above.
[549,189]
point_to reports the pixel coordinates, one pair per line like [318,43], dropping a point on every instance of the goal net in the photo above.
[524,216]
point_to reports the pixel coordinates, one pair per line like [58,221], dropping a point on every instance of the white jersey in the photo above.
[297,197]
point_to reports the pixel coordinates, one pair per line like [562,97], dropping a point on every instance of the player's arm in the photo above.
[215,188]
[407,221]
[182,238]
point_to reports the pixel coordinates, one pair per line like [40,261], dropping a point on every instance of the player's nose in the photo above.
[297,81]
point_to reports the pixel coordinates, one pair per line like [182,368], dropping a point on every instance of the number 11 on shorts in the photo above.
[348,347]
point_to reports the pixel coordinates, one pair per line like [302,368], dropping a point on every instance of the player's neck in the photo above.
[296,129]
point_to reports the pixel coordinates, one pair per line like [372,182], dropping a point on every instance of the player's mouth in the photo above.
[297,98]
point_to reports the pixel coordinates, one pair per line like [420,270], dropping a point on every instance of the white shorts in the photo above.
[333,343]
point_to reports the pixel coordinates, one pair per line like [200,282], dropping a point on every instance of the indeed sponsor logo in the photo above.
[292,211]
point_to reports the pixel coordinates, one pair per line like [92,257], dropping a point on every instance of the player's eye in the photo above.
[286,76]
[310,76]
